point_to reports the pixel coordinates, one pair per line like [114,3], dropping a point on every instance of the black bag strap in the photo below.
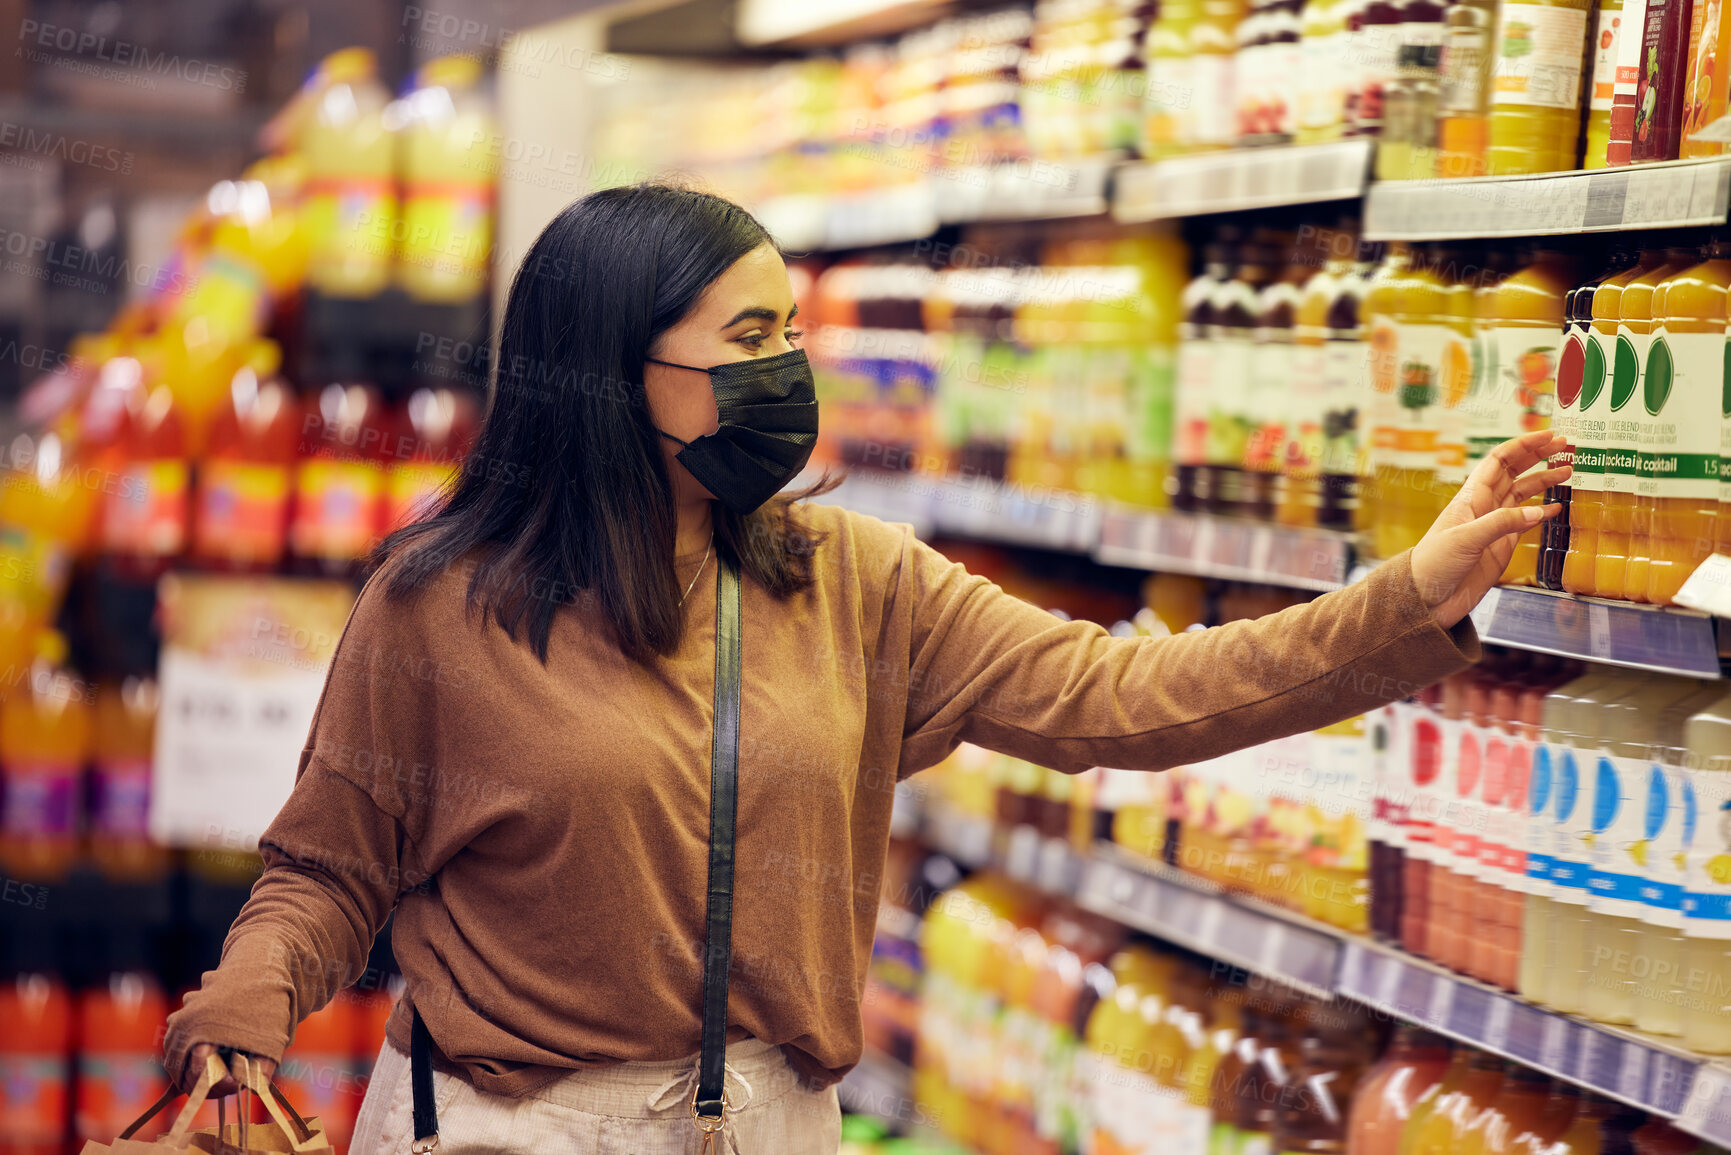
[709,1097]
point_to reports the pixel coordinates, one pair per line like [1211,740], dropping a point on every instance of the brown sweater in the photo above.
[541,831]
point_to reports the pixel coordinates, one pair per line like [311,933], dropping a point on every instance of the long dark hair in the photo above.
[566,483]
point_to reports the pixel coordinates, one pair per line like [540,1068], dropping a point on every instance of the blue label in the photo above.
[1538,865]
[1621,886]
[1568,786]
[1658,803]
[1665,895]
[1607,796]
[1539,783]
[1688,814]
[1716,907]
[1571,874]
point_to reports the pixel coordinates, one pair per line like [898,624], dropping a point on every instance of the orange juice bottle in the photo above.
[120,768]
[240,518]
[1587,486]
[1683,383]
[1427,324]
[1634,336]
[1442,1131]
[1535,98]
[1442,1092]
[1522,316]
[44,744]
[120,1025]
[1413,1064]
[35,1051]
[1383,493]
[1468,56]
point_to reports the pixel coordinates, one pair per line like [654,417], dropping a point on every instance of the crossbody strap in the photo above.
[723,794]
[708,1102]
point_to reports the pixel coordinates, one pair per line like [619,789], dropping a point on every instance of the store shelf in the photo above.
[1025,190]
[1223,548]
[1676,193]
[1323,961]
[992,510]
[1660,640]
[1236,179]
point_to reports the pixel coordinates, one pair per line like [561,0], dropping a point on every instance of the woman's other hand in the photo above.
[1463,553]
[237,1062]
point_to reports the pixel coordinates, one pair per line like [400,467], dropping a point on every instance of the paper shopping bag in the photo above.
[287,1133]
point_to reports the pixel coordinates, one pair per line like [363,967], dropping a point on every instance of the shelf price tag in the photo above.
[1709,588]
[1442,999]
[1497,1023]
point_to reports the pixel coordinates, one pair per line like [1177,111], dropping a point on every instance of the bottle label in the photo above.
[146,513]
[414,489]
[1213,105]
[1195,388]
[1170,111]
[1454,383]
[447,238]
[1631,36]
[1148,429]
[1707,887]
[1465,816]
[36,1099]
[1497,790]
[40,800]
[1671,811]
[114,1088]
[1605,61]
[1419,371]
[1228,411]
[1429,746]
[1303,449]
[1382,413]
[336,507]
[120,798]
[1266,404]
[1374,47]
[349,226]
[1620,463]
[1682,392]
[1324,79]
[1539,56]
[1569,869]
[1566,418]
[1344,366]
[1520,393]
[1621,834]
[1537,838]
[242,510]
[1465,58]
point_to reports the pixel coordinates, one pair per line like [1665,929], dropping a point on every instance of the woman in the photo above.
[512,749]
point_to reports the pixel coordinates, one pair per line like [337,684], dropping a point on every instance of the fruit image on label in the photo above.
[1625,373]
[1656,382]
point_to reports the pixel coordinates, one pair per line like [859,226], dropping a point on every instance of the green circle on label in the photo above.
[1625,371]
[1593,372]
[1656,384]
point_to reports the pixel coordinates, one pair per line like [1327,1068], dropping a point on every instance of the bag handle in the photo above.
[276,1104]
[214,1072]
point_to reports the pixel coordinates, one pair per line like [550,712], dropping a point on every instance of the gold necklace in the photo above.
[701,566]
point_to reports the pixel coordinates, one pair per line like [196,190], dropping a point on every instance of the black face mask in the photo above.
[768,426]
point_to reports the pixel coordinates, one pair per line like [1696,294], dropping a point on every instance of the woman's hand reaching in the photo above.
[1463,553]
[237,1062]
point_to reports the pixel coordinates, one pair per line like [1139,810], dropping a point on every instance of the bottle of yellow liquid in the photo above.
[1170,118]
[1427,323]
[1683,389]
[1704,96]
[350,210]
[120,771]
[1587,486]
[1620,791]
[1442,1129]
[1463,133]
[1535,96]
[1384,496]
[1622,421]
[44,743]
[1464,281]
[1707,885]
[1150,323]
[1603,52]
[1522,319]
[449,168]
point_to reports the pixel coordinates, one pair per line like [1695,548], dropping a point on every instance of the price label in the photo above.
[1388,982]
[1632,1073]
[1497,1023]
[1599,630]
[1442,1001]
[1554,1045]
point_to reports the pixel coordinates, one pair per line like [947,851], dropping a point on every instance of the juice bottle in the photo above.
[35,1055]
[1442,1093]
[1659,92]
[1332,1063]
[1424,749]
[1213,44]
[1535,98]
[1661,993]
[44,743]
[1256,1110]
[1406,148]
[1579,361]
[1322,99]
[1196,376]
[318,1071]
[1460,755]
[1463,133]
[1456,373]
[144,517]
[1683,383]
[1383,490]
[1532,1111]
[1215,1060]
[1522,315]
[1300,487]
[435,427]
[1592,439]
[1627,803]
[241,511]
[1382,1105]
[1168,122]
[1603,51]
[1494,708]
[1631,57]
[340,479]
[1389,803]
[350,207]
[448,173]
[1553,967]
[1634,337]
[1442,1130]
[120,765]
[1149,336]
[1230,419]
[1704,91]
[1427,329]
[1231,1072]
[1271,378]
[1707,893]
[120,1025]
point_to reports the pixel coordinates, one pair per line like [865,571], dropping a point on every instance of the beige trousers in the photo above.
[625,1109]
